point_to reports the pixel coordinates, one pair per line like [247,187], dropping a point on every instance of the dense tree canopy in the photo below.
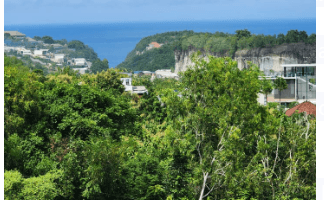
[82,51]
[47,39]
[98,65]
[70,136]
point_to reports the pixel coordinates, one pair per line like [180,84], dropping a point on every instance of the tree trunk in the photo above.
[203,186]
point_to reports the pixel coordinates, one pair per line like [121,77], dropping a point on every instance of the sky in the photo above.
[98,11]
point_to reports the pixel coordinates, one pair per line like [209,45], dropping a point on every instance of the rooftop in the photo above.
[307,107]
[299,65]
[156,45]
[14,33]
[30,39]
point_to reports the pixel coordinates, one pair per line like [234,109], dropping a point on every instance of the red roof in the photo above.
[307,107]
[156,45]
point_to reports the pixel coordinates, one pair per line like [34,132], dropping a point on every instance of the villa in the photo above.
[301,82]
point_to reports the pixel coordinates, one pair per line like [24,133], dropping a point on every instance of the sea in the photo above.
[114,41]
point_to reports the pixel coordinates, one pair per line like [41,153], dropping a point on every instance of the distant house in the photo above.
[128,74]
[140,90]
[138,73]
[147,73]
[153,45]
[15,34]
[8,49]
[301,84]
[165,73]
[81,70]
[80,62]
[23,51]
[307,107]
[59,58]
[57,47]
[127,82]
[31,40]
[40,52]
[69,62]
[26,53]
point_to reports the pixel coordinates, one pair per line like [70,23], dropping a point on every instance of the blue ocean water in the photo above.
[115,40]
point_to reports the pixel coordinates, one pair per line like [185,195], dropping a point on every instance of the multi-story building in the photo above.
[301,82]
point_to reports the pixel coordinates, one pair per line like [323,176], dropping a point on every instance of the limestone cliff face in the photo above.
[183,58]
[269,58]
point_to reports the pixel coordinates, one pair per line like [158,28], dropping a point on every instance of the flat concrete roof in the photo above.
[15,33]
[299,65]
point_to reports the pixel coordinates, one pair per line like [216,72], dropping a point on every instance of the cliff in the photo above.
[268,58]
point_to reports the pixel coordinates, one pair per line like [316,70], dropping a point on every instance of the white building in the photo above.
[8,49]
[40,52]
[127,82]
[81,70]
[80,61]
[301,85]
[26,53]
[59,58]
[165,73]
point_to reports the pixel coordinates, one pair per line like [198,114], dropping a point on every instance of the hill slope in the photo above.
[219,42]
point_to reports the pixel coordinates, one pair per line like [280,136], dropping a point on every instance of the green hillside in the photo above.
[218,42]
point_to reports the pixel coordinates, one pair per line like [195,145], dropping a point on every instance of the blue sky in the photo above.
[89,11]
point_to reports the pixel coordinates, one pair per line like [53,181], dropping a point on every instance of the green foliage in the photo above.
[223,43]
[242,33]
[293,104]
[12,184]
[152,60]
[42,187]
[280,84]
[311,39]
[205,136]
[312,80]
[98,65]
[81,51]
[217,44]
[37,38]
[266,87]
[47,39]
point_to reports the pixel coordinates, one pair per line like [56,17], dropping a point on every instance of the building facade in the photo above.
[301,82]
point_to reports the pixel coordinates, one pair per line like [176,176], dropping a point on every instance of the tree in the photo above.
[211,111]
[37,38]
[51,49]
[302,36]
[242,33]
[98,65]
[292,36]
[76,44]
[266,87]
[280,39]
[280,84]
[48,39]
[7,35]
[311,39]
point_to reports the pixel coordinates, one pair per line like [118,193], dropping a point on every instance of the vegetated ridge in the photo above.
[217,44]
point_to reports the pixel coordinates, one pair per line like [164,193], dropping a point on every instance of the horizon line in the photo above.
[158,21]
